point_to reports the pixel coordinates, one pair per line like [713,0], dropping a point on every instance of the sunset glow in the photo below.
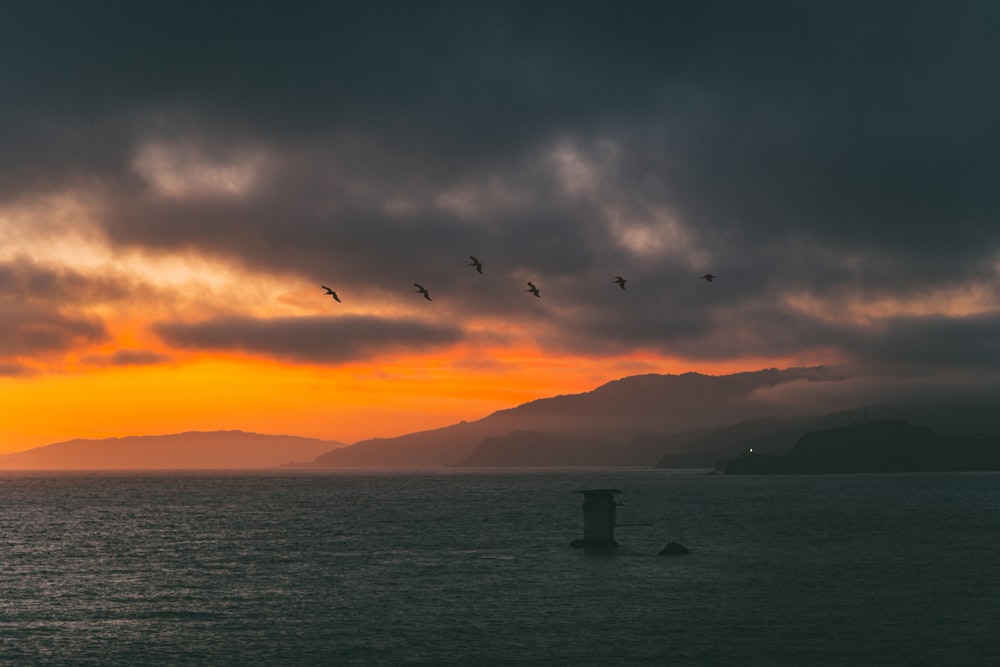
[517,332]
[165,230]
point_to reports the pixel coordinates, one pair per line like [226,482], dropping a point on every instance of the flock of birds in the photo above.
[478,266]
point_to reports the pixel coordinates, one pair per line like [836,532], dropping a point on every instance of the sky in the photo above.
[177,181]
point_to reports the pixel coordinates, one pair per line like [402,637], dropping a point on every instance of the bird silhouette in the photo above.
[422,290]
[331,293]
[533,289]
[709,277]
[476,263]
[621,281]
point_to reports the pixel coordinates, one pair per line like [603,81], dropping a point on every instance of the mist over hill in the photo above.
[614,413]
[689,420]
[194,450]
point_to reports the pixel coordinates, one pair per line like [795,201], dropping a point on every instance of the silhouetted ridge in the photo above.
[534,448]
[880,446]
[614,413]
[193,450]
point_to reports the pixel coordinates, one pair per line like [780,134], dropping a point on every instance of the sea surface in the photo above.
[467,567]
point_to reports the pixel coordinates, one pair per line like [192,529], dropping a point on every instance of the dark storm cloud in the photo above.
[971,342]
[827,148]
[694,322]
[725,329]
[309,339]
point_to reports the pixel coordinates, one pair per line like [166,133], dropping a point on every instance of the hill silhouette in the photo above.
[880,446]
[708,448]
[668,421]
[616,412]
[689,420]
[194,450]
[535,448]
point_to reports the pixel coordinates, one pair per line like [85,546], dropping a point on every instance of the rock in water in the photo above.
[674,549]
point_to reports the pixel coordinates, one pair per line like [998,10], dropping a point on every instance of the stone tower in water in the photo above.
[598,518]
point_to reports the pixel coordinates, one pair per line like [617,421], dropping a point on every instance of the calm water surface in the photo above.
[460,567]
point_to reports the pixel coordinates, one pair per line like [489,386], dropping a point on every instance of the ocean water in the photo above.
[458,567]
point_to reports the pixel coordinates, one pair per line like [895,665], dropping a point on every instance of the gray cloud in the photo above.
[970,343]
[128,357]
[43,310]
[825,148]
[27,330]
[309,339]
[56,286]
[13,369]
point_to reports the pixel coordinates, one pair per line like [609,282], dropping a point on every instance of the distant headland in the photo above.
[873,447]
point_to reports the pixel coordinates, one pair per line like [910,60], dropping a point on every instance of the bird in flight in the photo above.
[709,277]
[620,281]
[422,290]
[533,289]
[476,263]
[331,293]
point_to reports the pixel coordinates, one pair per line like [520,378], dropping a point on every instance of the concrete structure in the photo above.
[598,518]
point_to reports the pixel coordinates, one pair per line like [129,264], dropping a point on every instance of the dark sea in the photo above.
[460,567]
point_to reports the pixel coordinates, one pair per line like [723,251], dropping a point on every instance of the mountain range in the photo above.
[688,420]
[670,421]
[195,450]
[614,413]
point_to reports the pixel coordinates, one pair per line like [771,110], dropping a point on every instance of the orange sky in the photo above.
[172,196]
[127,380]
[346,403]
[112,369]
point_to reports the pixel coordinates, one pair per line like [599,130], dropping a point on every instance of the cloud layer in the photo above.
[833,163]
[308,339]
